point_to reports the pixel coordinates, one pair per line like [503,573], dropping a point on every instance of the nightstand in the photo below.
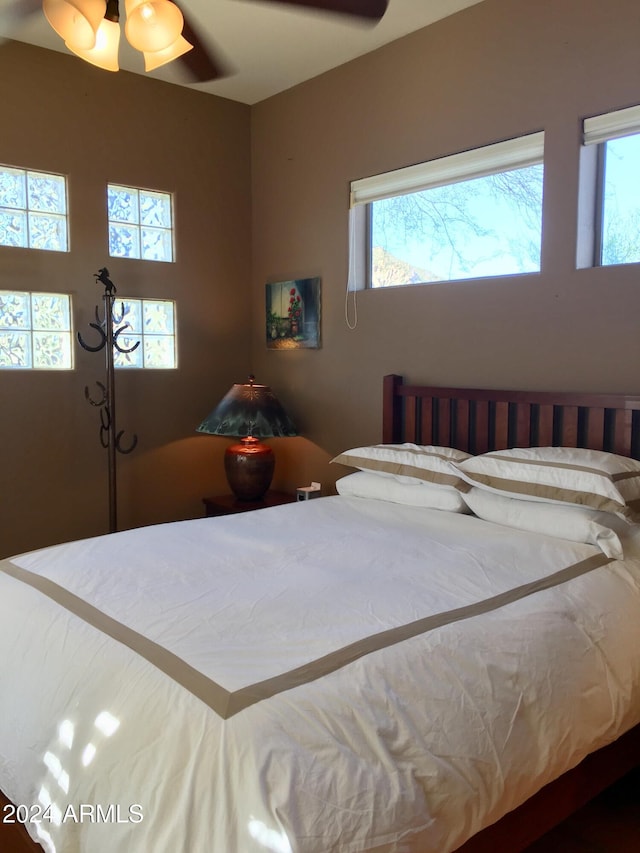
[229,504]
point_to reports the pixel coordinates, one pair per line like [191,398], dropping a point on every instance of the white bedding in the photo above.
[413,746]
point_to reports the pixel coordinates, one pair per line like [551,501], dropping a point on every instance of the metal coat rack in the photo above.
[110,438]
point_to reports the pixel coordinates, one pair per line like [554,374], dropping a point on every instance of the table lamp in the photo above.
[250,412]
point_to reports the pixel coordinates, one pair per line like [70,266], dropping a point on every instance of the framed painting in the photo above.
[293,314]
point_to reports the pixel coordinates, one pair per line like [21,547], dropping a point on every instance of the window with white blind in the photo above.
[469,215]
[609,205]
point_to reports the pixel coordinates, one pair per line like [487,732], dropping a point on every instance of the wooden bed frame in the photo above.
[478,420]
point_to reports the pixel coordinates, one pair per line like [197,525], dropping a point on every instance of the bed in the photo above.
[360,672]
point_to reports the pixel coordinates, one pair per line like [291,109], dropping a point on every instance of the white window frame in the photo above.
[597,130]
[138,225]
[30,330]
[517,153]
[141,335]
[611,125]
[29,211]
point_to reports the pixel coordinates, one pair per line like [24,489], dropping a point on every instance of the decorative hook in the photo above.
[109,439]
[105,426]
[116,334]
[96,402]
[119,319]
[101,345]
[125,450]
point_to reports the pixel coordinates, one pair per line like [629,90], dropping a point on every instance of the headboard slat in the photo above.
[426,422]
[595,427]
[444,422]
[411,424]
[461,421]
[501,437]
[621,426]
[482,427]
[545,426]
[568,424]
[523,424]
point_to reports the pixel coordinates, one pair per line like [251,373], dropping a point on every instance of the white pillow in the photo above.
[407,463]
[364,484]
[559,475]
[578,524]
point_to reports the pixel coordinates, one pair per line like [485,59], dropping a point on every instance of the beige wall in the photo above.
[261,195]
[59,114]
[497,70]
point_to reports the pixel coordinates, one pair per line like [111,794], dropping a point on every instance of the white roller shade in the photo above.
[500,157]
[611,125]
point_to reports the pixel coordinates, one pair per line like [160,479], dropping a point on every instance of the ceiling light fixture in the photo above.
[91,30]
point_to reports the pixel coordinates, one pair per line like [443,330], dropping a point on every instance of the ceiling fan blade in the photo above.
[201,63]
[372,9]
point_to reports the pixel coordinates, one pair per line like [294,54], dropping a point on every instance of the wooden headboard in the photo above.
[478,420]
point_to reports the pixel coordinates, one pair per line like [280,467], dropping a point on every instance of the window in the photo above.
[33,210]
[35,330]
[140,224]
[609,212]
[473,214]
[149,326]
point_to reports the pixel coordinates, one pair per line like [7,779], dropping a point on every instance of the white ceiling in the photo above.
[266,47]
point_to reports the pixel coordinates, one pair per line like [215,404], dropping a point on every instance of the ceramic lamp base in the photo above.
[249,466]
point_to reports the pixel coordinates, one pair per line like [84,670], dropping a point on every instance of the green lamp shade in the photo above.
[249,412]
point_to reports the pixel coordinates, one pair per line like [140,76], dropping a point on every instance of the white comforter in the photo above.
[413,746]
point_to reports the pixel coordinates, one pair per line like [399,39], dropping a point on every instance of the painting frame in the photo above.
[292,314]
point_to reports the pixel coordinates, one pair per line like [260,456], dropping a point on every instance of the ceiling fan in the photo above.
[160,29]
